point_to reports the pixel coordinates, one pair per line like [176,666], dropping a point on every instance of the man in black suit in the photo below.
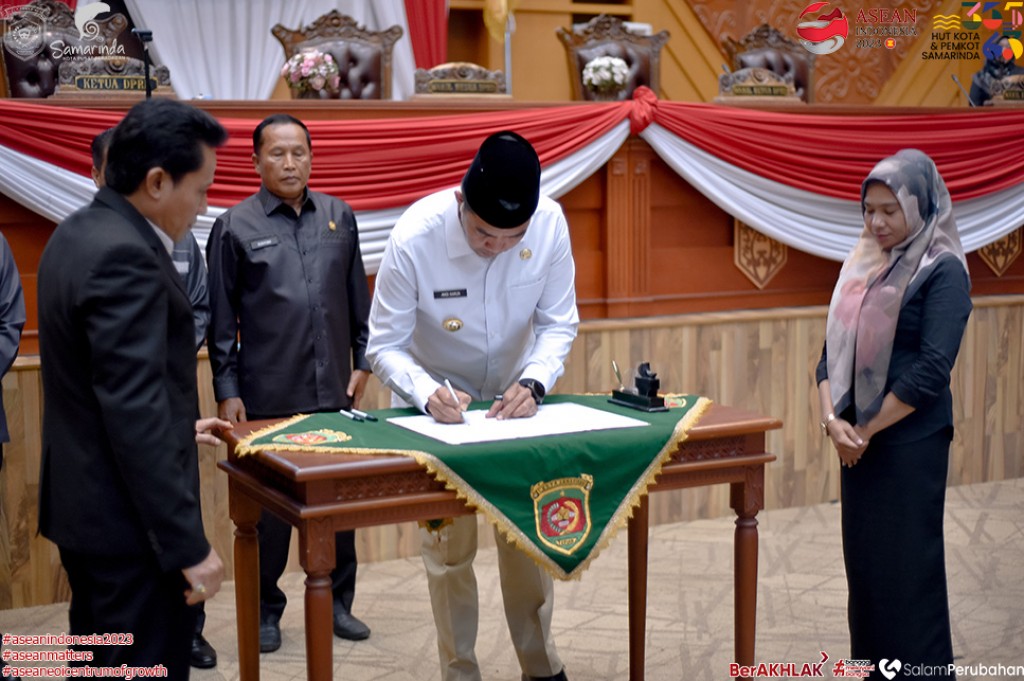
[12,320]
[119,481]
[188,260]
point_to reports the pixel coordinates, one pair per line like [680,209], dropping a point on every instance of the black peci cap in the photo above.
[502,184]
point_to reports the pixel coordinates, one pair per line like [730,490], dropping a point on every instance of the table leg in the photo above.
[638,537]
[246,513]
[746,499]
[319,627]
[316,550]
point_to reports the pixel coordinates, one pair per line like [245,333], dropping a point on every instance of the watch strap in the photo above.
[535,387]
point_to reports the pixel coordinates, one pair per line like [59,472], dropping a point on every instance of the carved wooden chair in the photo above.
[606,36]
[459,78]
[765,47]
[363,56]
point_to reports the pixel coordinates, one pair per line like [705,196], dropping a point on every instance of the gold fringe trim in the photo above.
[515,536]
[245,447]
[511,533]
[625,510]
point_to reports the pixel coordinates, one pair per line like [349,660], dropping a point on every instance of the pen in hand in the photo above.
[451,391]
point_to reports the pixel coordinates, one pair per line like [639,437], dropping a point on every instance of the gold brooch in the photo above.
[331,226]
[525,254]
[452,324]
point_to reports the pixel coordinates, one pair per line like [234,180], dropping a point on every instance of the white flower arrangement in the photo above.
[605,74]
[312,71]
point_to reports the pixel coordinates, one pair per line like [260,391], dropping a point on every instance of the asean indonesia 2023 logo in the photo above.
[822,30]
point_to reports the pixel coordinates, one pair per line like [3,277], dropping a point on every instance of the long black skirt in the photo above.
[892,508]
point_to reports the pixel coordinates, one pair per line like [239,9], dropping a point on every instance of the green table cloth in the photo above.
[559,498]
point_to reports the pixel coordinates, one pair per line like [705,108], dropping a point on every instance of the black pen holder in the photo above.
[648,403]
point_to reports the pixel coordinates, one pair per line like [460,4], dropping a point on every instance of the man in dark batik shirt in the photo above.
[289,302]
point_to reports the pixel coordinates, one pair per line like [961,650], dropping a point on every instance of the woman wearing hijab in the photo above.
[894,328]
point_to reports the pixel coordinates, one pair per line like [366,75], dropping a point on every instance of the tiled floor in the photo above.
[801,608]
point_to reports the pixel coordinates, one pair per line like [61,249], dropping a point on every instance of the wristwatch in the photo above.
[828,419]
[535,387]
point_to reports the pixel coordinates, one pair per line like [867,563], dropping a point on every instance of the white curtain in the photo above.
[55,193]
[223,49]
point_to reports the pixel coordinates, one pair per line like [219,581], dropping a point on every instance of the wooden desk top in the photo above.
[718,422]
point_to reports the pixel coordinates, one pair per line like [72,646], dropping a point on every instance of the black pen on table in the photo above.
[362,414]
[350,415]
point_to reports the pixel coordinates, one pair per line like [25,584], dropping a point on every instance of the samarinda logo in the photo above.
[29,26]
[25,29]
[85,19]
[822,29]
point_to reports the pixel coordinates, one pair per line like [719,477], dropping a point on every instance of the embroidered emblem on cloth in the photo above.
[313,437]
[561,510]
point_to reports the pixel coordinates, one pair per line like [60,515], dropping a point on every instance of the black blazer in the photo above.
[119,471]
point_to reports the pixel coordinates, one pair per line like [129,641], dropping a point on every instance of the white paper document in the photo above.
[551,419]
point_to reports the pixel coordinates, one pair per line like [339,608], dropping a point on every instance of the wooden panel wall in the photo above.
[759,360]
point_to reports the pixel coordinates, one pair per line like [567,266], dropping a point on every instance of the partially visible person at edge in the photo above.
[895,324]
[996,67]
[289,300]
[119,480]
[477,286]
[12,320]
[188,260]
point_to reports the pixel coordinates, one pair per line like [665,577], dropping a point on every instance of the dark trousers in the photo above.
[200,609]
[130,595]
[274,536]
[2,662]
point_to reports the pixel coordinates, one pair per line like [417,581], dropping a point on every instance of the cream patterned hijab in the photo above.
[873,284]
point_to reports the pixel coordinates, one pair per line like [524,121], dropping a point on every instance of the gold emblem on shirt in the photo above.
[452,324]
[525,254]
[331,226]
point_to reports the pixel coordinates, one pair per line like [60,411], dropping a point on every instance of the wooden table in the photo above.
[321,494]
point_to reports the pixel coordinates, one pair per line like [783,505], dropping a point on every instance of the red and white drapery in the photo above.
[792,176]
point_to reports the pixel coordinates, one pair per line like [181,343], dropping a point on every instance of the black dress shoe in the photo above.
[560,676]
[349,627]
[203,655]
[270,636]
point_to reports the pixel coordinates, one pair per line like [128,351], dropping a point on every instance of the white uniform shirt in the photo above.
[441,311]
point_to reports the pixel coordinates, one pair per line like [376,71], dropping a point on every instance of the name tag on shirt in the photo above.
[257,244]
[450,293]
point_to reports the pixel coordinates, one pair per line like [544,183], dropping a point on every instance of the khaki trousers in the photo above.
[526,590]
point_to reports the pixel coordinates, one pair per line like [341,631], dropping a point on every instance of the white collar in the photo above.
[165,239]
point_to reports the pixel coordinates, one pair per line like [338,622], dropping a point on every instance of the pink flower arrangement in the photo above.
[314,72]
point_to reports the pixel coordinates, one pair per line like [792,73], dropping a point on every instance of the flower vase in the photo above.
[605,95]
[311,94]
